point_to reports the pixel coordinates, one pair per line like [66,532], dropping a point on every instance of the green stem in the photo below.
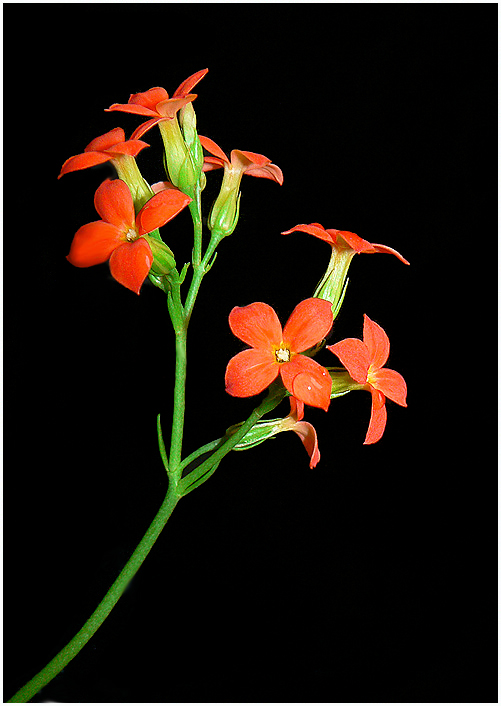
[195,207]
[199,272]
[107,604]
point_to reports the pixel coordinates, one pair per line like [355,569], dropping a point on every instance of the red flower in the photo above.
[304,430]
[110,146]
[344,240]
[275,352]
[156,104]
[364,361]
[119,236]
[242,162]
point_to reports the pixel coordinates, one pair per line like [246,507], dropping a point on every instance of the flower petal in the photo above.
[144,127]
[149,99]
[211,163]
[256,324]
[377,342]
[104,142]
[391,384]
[168,108]
[82,161]
[189,83]
[354,355]
[297,409]
[128,108]
[270,171]
[130,264]
[214,149]
[385,249]
[313,229]
[160,209]
[308,436]
[354,241]
[310,321]
[130,147]
[307,381]
[113,202]
[250,372]
[93,243]
[377,423]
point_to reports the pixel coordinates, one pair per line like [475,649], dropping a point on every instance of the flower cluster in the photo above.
[132,212]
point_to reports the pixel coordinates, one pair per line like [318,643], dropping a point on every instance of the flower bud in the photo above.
[225,211]
[260,432]
[163,257]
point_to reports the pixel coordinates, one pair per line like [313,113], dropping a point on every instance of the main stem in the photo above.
[107,604]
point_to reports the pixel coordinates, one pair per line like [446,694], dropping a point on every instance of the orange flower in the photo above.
[224,214]
[156,104]
[277,352]
[344,240]
[364,361]
[121,236]
[111,146]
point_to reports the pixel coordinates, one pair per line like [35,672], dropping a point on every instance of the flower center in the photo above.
[282,355]
[131,235]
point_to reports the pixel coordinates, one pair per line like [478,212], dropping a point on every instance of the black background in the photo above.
[371,578]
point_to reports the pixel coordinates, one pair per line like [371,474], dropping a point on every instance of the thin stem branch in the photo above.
[107,604]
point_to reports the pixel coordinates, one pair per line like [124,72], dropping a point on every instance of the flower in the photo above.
[364,361]
[111,146]
[121,236]
[304,430]
[224,214]
[344,246]
[344,240]
[277,352]
[156,104]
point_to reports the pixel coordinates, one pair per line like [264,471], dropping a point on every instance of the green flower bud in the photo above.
[163,257]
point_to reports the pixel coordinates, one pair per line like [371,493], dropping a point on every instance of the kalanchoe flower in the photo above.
[182,166]
[364,361]
[269,428]
[277,352]
[123,237]
[344,246]
[224,213]
[156,104]
[113,147]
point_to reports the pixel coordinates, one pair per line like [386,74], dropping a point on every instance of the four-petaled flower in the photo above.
[119,236]
[344,240]
[304,430]
[224,214]
[277,352]
[111,146]
[156,104]
[364,361]
[240,162]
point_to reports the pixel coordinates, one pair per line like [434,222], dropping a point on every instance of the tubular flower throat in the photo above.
[121,237]
[364,361]
[277,352]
